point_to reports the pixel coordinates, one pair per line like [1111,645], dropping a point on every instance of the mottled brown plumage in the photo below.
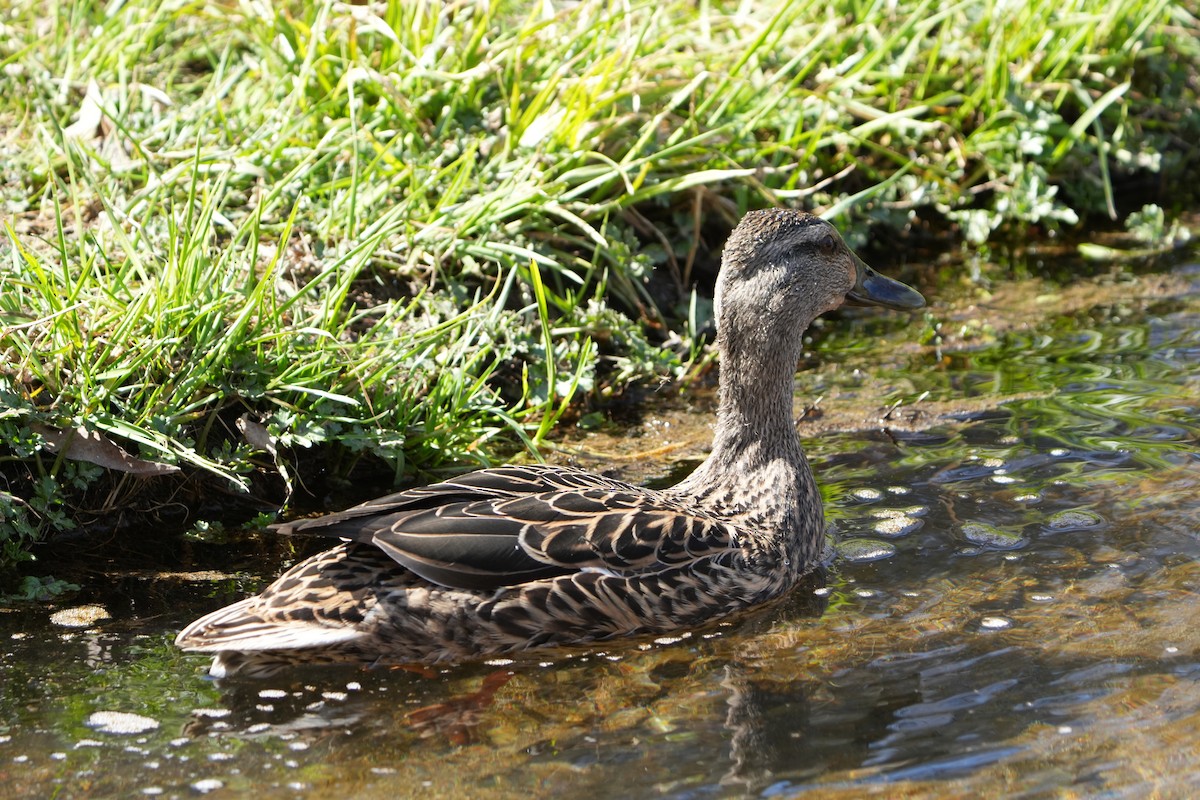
[503,560]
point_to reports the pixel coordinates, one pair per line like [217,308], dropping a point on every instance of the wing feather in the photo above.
[496,483]
[510,525]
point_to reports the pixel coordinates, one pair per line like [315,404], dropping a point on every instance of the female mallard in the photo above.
[503,560]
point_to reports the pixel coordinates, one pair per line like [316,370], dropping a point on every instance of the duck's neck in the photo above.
[755,407]
[757,474]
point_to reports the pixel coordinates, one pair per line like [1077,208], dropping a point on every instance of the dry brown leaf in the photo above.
[256,434]
[82,444]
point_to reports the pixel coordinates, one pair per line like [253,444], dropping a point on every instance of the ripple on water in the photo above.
[212,713]
[206,785]
[995,623]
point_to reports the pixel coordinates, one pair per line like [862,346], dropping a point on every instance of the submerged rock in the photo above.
[1074,520]
[860,550]
[894,527]
[991,537]
[80,616]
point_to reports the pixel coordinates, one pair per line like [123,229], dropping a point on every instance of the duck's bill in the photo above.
[874,289]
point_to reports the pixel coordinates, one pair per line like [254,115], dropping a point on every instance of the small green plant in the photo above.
[1151,227]
[40,589]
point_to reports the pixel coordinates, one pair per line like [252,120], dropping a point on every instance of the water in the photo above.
[1013,614]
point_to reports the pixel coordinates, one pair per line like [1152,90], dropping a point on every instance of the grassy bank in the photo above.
[247,245]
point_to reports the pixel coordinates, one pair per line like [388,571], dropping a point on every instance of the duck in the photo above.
[508,559]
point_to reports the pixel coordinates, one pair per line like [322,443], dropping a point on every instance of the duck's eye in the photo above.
[827,244]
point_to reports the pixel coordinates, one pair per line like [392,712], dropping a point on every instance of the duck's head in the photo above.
[782,268]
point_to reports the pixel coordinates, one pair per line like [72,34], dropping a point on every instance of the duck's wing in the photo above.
[484,484]
[504,527]
[486,544]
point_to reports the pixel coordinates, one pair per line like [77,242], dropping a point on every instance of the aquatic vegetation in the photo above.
[245,238]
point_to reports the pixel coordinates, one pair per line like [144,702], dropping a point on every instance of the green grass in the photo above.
[238,233]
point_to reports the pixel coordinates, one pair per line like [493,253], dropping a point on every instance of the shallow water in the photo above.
[1013,613]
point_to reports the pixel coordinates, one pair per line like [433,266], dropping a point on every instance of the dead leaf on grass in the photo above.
[94,447]
[91,115]
[256,434]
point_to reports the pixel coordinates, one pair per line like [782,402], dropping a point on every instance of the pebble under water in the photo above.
[1011,612]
